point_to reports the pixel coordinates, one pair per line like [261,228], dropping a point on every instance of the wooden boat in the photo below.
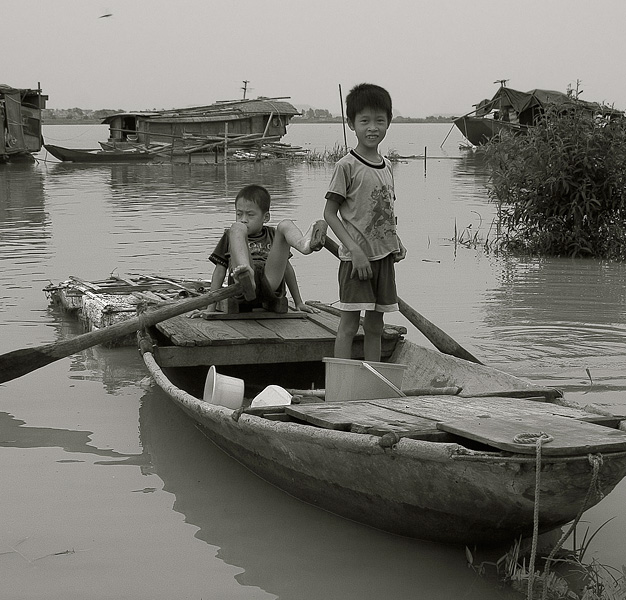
[514,111]
[98,156]
[20,122]
[453,460]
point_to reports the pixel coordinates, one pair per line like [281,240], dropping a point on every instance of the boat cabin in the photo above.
[20,122]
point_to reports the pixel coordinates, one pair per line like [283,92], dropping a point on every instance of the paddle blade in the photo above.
[19,362]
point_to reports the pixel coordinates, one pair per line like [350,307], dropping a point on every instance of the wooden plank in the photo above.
[362,417]
[570,437]
[444,408]
[254,315]
[296,329]
[326,321]
[184,331]
[243,354]
[256,331]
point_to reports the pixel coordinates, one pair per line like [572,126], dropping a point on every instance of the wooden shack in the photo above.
[20,122]
[221,126]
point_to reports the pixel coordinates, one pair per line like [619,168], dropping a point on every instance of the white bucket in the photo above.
[223,390]
[272,395]
[350,380]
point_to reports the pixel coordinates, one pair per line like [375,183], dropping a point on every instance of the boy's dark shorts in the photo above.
[378,293]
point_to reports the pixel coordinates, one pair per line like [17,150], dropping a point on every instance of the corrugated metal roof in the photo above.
[220,111]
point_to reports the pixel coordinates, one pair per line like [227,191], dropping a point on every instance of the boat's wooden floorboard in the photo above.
[494,421]
[232,341]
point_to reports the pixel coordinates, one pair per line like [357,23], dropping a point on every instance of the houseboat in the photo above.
[218,129]
[20,122]
[516,111]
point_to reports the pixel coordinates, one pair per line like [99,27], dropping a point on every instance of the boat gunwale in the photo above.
[352,441]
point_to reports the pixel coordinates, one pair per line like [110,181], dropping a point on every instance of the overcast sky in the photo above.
[434,57]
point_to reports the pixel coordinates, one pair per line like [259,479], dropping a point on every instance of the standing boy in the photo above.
[360,210]
[263,251]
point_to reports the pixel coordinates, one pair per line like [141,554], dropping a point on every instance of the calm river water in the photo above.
[109,492]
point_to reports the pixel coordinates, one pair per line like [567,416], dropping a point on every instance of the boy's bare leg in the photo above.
[348,326]
[288,236]
[373,327]
[312,241]
[239,251]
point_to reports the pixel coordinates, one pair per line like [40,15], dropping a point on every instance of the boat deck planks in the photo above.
[296,337]
[568,436]
[499,420]
[361,417]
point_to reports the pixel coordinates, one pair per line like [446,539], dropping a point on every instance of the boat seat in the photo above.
[233,306]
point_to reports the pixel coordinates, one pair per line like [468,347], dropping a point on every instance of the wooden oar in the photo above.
[439,338]
[19,362]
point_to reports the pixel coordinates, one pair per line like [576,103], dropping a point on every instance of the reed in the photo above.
[572,578]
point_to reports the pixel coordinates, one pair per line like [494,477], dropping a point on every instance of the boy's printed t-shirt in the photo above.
[366,195]
[258,244]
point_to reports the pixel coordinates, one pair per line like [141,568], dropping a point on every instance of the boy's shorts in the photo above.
[378,293]
[263,293]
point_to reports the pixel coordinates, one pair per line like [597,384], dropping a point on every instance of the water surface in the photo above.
[109,492]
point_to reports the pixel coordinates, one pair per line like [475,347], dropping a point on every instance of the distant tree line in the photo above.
[311,115]
[77,114]
[321,115]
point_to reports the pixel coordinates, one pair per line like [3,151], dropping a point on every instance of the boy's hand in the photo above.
[306,308]
[361,265]
[400,254]
[201,314]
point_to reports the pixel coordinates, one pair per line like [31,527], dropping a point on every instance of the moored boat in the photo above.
[514,112]
[447,458]
[77,155]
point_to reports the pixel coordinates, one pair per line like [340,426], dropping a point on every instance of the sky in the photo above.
[434,56]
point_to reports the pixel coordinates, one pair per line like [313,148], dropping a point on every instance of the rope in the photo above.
[538,439]
[596,461]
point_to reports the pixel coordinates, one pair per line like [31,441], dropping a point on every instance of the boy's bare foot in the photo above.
[313,240]
[240,270]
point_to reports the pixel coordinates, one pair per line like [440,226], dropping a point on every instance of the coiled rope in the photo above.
[596,461]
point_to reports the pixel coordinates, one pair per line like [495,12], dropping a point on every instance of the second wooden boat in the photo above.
[98,156]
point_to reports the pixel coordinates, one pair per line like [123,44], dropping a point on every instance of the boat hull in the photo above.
[479,130]
[97,156]
[441,492]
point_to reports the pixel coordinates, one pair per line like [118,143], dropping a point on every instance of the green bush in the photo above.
[561,187]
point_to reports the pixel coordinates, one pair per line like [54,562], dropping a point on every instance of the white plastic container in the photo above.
[350,380]
[223,390]
[272,395]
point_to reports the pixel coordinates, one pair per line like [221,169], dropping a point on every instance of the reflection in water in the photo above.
[14,434]
[285,547]
[24,224]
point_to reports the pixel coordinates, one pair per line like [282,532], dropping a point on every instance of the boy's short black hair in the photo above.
[368,95]
[257,194]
